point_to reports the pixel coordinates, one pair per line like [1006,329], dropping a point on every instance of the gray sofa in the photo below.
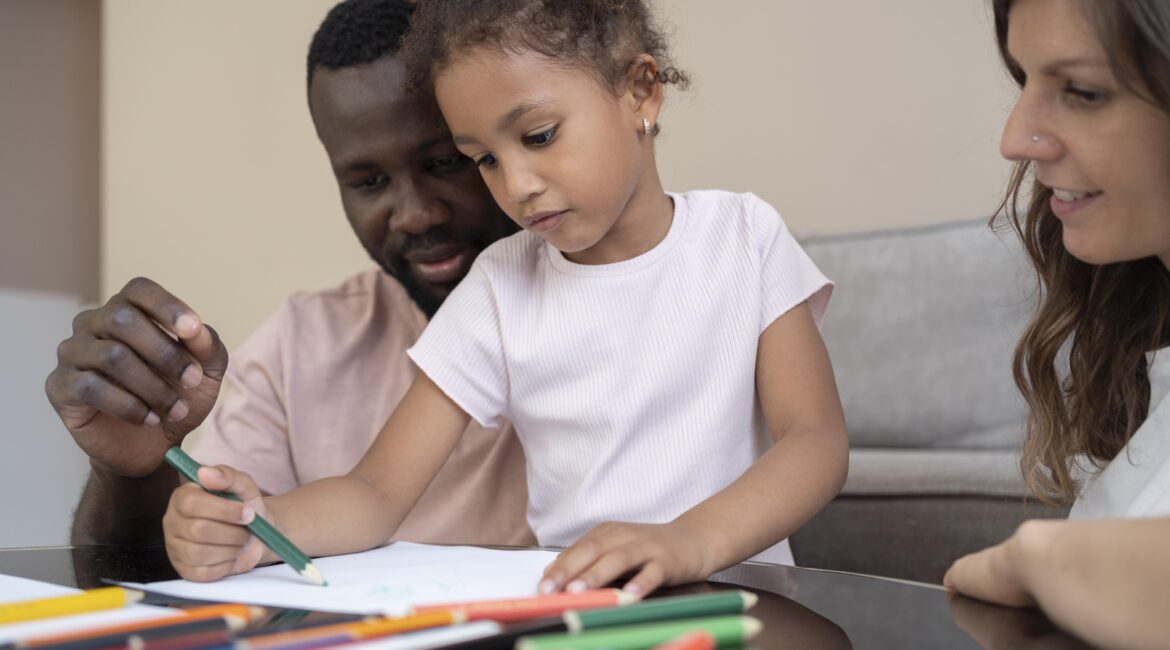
[921,330]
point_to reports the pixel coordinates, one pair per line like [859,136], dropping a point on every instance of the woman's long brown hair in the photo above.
[1081,361]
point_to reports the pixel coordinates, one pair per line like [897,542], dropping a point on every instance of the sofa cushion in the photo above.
[921,330]
[936,472]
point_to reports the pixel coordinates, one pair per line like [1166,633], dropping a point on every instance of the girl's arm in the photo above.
[332,516]
[1107,581]
[802,472]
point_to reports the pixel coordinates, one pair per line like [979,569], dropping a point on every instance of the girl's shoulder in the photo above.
[515,254]
[722,210]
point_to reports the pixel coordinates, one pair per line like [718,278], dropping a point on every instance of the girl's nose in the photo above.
[520,183]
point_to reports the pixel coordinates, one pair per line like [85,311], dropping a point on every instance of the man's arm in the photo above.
[137,375]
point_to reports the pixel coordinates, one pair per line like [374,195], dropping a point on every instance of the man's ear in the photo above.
[645,91]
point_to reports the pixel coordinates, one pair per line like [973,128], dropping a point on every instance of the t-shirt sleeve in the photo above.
[248,428]
[788,276]
[461,350]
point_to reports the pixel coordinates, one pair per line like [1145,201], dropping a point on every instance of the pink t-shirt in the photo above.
[307,393]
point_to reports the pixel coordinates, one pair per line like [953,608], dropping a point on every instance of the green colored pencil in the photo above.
[661,609]
[727,630]
[259,527]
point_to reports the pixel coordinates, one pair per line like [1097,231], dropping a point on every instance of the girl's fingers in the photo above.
[651,577]
[609,567]
[228,479]
[192,502]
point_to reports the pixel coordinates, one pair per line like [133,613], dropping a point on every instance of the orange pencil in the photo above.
[523,609]
[353,631]
[242,613]
[701,640]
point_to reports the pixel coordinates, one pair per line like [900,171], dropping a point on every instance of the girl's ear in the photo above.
[644,90]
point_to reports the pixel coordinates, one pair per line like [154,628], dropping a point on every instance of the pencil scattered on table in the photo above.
[93,600]
[727,630]
[701,640]
[511,610]
[185,621]
[259,527]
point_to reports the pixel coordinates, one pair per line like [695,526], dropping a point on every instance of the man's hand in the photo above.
[657,555]
[138,374]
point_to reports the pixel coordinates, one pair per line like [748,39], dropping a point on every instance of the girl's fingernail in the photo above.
[248,514]
[546,586]
[576,586]
[632,589]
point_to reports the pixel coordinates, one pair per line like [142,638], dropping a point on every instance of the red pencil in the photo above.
[700,640]
[523,609]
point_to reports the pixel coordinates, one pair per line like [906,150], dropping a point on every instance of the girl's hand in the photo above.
[658,554]
[205,535]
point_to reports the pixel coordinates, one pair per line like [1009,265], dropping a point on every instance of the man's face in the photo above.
[417,205]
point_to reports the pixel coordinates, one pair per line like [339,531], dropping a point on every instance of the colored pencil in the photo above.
[88,601]
[701,640]
[259,527]
[648,611]
[511,610]
[727,630]
[437,638]
[83,639]
[325,635]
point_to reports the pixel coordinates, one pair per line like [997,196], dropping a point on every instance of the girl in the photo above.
[1091,128]
[657,353]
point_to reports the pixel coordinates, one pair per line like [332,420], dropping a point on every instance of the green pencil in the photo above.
[727,630]
[259,527]
[661,609]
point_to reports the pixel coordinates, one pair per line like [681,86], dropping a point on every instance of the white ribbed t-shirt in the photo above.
[630,385]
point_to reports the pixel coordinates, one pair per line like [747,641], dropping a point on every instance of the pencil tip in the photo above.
[313,575]
[749,599]
[751,627]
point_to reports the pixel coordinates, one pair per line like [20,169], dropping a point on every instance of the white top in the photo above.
[1137,482]
[631,385]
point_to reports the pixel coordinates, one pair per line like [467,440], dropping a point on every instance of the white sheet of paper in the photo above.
[387,580]
[13,589]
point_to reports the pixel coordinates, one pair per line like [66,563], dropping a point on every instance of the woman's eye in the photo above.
[542,138]
[1083,95]
[486,160]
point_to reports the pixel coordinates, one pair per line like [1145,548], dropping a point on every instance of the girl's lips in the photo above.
[441,271]
[1063,209]
[547,221]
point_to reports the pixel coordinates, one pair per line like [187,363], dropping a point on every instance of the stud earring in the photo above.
[645,126]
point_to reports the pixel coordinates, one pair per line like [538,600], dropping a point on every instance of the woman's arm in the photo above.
[1107,581]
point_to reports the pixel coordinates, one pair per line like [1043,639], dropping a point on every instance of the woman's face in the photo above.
[1103,150]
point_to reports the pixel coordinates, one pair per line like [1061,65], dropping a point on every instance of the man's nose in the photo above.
[416,210]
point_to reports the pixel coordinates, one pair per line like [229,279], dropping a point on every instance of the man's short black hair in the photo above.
[358,31]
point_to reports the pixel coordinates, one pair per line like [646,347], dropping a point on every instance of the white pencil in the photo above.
[434,638]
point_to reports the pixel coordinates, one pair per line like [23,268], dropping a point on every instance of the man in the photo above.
[305,396]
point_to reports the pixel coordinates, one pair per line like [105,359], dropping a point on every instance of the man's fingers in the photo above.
[120,365]
[90,389]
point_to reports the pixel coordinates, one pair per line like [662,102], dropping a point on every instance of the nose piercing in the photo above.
[1035,138]
[645,126]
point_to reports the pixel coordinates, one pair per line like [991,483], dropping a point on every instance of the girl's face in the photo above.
[1103,150]
[562,155]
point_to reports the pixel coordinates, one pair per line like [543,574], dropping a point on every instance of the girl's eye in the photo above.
[486,160]
[1083,96]
[541,139]
[371,182]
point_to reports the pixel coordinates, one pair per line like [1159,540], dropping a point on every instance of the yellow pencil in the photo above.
[87,601]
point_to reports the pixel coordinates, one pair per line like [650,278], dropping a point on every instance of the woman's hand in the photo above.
[997,574]
[657,554]
[205,535]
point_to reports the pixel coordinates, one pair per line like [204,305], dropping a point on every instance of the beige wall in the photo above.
[49,124]
[846,115]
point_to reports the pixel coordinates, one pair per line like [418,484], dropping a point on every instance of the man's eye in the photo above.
[541,139]
[486,161]
[448,162]
[371,182]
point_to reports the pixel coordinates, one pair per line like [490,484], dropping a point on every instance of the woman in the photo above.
[1091,130]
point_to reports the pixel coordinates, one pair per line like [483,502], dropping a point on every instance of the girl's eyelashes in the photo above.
[541,138]
[486,161]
